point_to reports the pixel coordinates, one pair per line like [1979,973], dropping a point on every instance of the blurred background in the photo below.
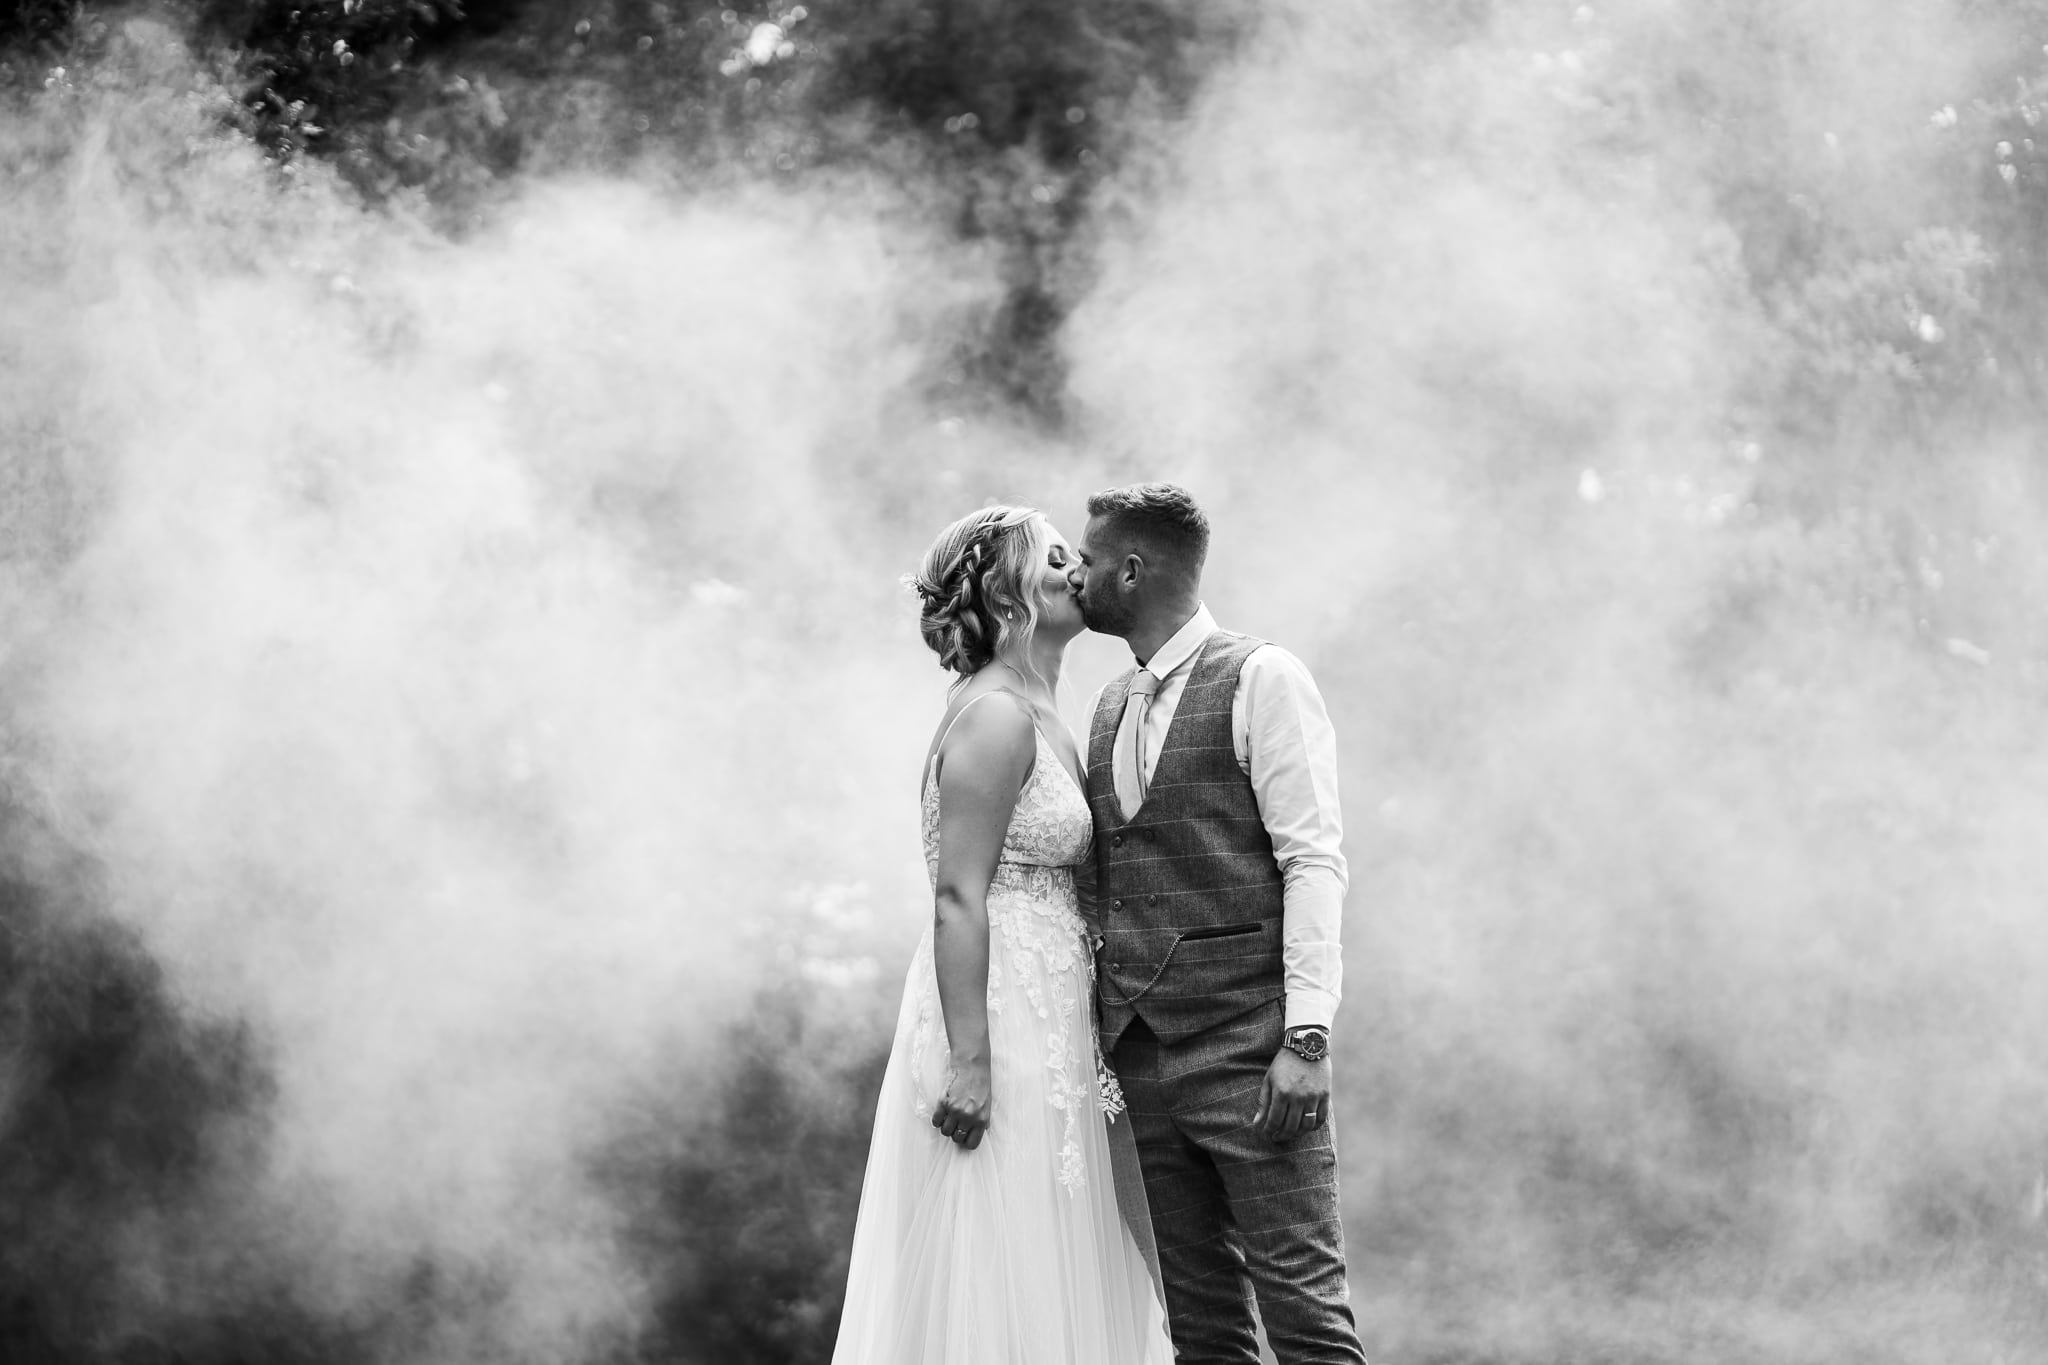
[459,717]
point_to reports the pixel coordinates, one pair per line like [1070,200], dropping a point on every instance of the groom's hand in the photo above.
[1294,1098]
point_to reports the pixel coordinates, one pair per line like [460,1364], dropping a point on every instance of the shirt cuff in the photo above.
[1311,1007]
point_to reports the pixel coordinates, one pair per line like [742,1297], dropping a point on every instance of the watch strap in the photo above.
[1311,1042]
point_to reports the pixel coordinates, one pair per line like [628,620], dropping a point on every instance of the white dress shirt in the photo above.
[1286,746]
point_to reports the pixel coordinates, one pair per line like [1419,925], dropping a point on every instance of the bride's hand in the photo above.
[962,1113]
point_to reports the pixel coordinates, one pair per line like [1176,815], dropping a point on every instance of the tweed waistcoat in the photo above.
[1188,889]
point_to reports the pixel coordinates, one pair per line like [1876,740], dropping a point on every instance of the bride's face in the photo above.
[1059,610]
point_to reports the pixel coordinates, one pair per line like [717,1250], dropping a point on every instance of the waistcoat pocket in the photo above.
[1220,931]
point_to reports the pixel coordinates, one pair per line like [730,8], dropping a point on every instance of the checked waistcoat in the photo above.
[1188,890]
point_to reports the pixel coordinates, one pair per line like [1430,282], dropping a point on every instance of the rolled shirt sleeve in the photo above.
[1288,748]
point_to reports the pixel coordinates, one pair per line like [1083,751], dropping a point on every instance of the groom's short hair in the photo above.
[1161,517]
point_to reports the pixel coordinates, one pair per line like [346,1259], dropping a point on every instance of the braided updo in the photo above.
[978,586]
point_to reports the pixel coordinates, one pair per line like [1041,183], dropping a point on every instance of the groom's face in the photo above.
[1097,562]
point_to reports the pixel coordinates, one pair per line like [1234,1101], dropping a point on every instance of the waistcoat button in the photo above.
[1118,905]
[1117,842]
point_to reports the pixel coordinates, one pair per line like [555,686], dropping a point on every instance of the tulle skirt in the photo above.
[1014,1253]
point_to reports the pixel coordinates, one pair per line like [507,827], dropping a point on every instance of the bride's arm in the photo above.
[983,763]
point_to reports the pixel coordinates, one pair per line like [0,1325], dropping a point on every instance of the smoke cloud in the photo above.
[478,664]
[1687,712]
[457,656]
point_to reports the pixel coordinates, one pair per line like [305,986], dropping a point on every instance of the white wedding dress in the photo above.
[1014,1253]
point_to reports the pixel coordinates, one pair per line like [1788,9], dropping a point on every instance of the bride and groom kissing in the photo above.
[1133,954]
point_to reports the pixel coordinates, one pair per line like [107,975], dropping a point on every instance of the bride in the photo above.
[989,1232]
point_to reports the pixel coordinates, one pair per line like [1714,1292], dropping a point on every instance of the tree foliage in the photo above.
[127,1125]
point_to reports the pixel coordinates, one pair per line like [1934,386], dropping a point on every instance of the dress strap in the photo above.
[963,711]
[931,760]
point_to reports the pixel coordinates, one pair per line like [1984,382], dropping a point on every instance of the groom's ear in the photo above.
[1132,569]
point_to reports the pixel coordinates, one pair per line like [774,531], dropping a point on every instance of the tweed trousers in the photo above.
[1236,1215]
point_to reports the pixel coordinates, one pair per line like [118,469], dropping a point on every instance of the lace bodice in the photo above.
[1050,829]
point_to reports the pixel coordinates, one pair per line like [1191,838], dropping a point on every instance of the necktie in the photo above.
[1127,759]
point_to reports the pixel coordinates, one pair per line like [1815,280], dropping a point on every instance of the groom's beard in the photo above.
[1105,618]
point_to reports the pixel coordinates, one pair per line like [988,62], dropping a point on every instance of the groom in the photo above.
[1212,775]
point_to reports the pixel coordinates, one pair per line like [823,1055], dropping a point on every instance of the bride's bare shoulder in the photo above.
[995,736]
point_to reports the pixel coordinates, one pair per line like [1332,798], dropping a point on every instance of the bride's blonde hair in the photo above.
[978,587]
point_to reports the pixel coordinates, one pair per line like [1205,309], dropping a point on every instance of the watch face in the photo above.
[1310,1044]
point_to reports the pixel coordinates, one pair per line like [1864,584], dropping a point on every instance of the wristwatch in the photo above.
[1310,1042]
